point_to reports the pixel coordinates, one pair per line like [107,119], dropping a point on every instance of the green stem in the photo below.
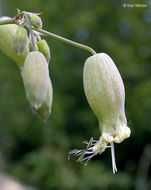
[66,40]
[31,32]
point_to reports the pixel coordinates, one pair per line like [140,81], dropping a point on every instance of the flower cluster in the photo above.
[32,55]
[103,85]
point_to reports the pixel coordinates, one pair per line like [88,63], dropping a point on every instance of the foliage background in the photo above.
[35,152]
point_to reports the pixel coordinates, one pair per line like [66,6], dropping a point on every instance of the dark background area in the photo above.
[35,152]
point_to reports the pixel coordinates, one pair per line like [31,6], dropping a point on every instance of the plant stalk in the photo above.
[31,32]
[87,48]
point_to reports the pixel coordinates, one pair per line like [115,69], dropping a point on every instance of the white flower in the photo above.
[105,93]
[36,78]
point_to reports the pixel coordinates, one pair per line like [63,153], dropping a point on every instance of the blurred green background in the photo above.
[35,152]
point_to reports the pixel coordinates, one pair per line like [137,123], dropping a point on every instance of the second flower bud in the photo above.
[36,78]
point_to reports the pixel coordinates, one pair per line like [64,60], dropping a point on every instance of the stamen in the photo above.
[108,147]
[84,155]
[88,158]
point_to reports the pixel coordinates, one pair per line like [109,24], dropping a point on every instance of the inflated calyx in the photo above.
[36,78]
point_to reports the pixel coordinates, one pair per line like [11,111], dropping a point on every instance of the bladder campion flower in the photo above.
[36,78]
[105,93]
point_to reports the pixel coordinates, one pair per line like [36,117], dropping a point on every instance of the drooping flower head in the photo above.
[105,93]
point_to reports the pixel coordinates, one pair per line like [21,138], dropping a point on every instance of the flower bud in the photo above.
[36,78]
[44,48]
[45,109]
[35,21]
[20,40]
[105,93]
[7,33]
